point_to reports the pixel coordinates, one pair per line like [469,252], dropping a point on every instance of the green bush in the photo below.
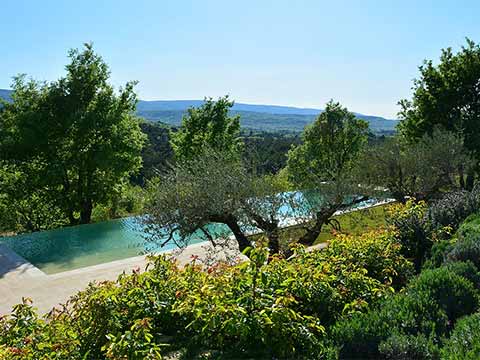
[470,226]
[454,294]
[359,336]
[430,306]
[420,227]
[466,249]
[413,232]
[438,254]
[409,347]
[464,342]
[466,269]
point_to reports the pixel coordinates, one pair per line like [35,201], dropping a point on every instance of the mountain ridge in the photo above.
[258,117]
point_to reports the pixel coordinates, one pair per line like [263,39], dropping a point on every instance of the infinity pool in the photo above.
[85,245]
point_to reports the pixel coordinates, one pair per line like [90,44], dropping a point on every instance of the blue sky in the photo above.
[301,53]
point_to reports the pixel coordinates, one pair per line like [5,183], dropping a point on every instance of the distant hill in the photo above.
[252,117]
[5,94]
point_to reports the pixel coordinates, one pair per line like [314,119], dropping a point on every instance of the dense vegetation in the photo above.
[409,291]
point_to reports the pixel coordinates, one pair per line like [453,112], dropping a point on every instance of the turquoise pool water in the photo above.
[85,245]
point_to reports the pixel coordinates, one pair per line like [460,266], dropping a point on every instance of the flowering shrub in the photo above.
[282,308]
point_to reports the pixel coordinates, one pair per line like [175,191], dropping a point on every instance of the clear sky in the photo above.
[301,53]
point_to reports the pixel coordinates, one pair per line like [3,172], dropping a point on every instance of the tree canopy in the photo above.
[419,170]
[446,94]
[207,125]
[76,135]
[324,163]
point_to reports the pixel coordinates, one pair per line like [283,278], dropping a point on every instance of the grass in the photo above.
[355,222]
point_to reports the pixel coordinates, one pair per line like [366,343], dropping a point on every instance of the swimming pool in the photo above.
[85,245]
[79,246]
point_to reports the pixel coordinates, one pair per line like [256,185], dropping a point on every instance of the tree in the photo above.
[447,95]
[322,166]
[83,137]
[209,188]
[214,188]
[208,125]
[419,170]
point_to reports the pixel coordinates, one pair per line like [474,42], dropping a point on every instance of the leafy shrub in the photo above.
[419,227]
[360,336]
[466,269]
[454,294]
[256,309]
[413,232]
[376,251]
[464,342]
[470,226]
[453,209]
[409,347]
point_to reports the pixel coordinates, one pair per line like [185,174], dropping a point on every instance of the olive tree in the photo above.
[214,188]
[195,193]
[420,170]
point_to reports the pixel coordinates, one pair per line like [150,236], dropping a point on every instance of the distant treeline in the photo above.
[258,121]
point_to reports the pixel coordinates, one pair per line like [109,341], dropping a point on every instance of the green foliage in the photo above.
[430,306]
[157,154]
[453,293]
[470,227]
[209,188]
[329,149]
[452,209]
[466,249]
[23,207]
[323,166]
[438,254]
[467,270]
[411,230]
[464,342]
[408,347]
[266,153]
[421,170]
[446,95]
[207,126]
[76,137]
[280,309]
